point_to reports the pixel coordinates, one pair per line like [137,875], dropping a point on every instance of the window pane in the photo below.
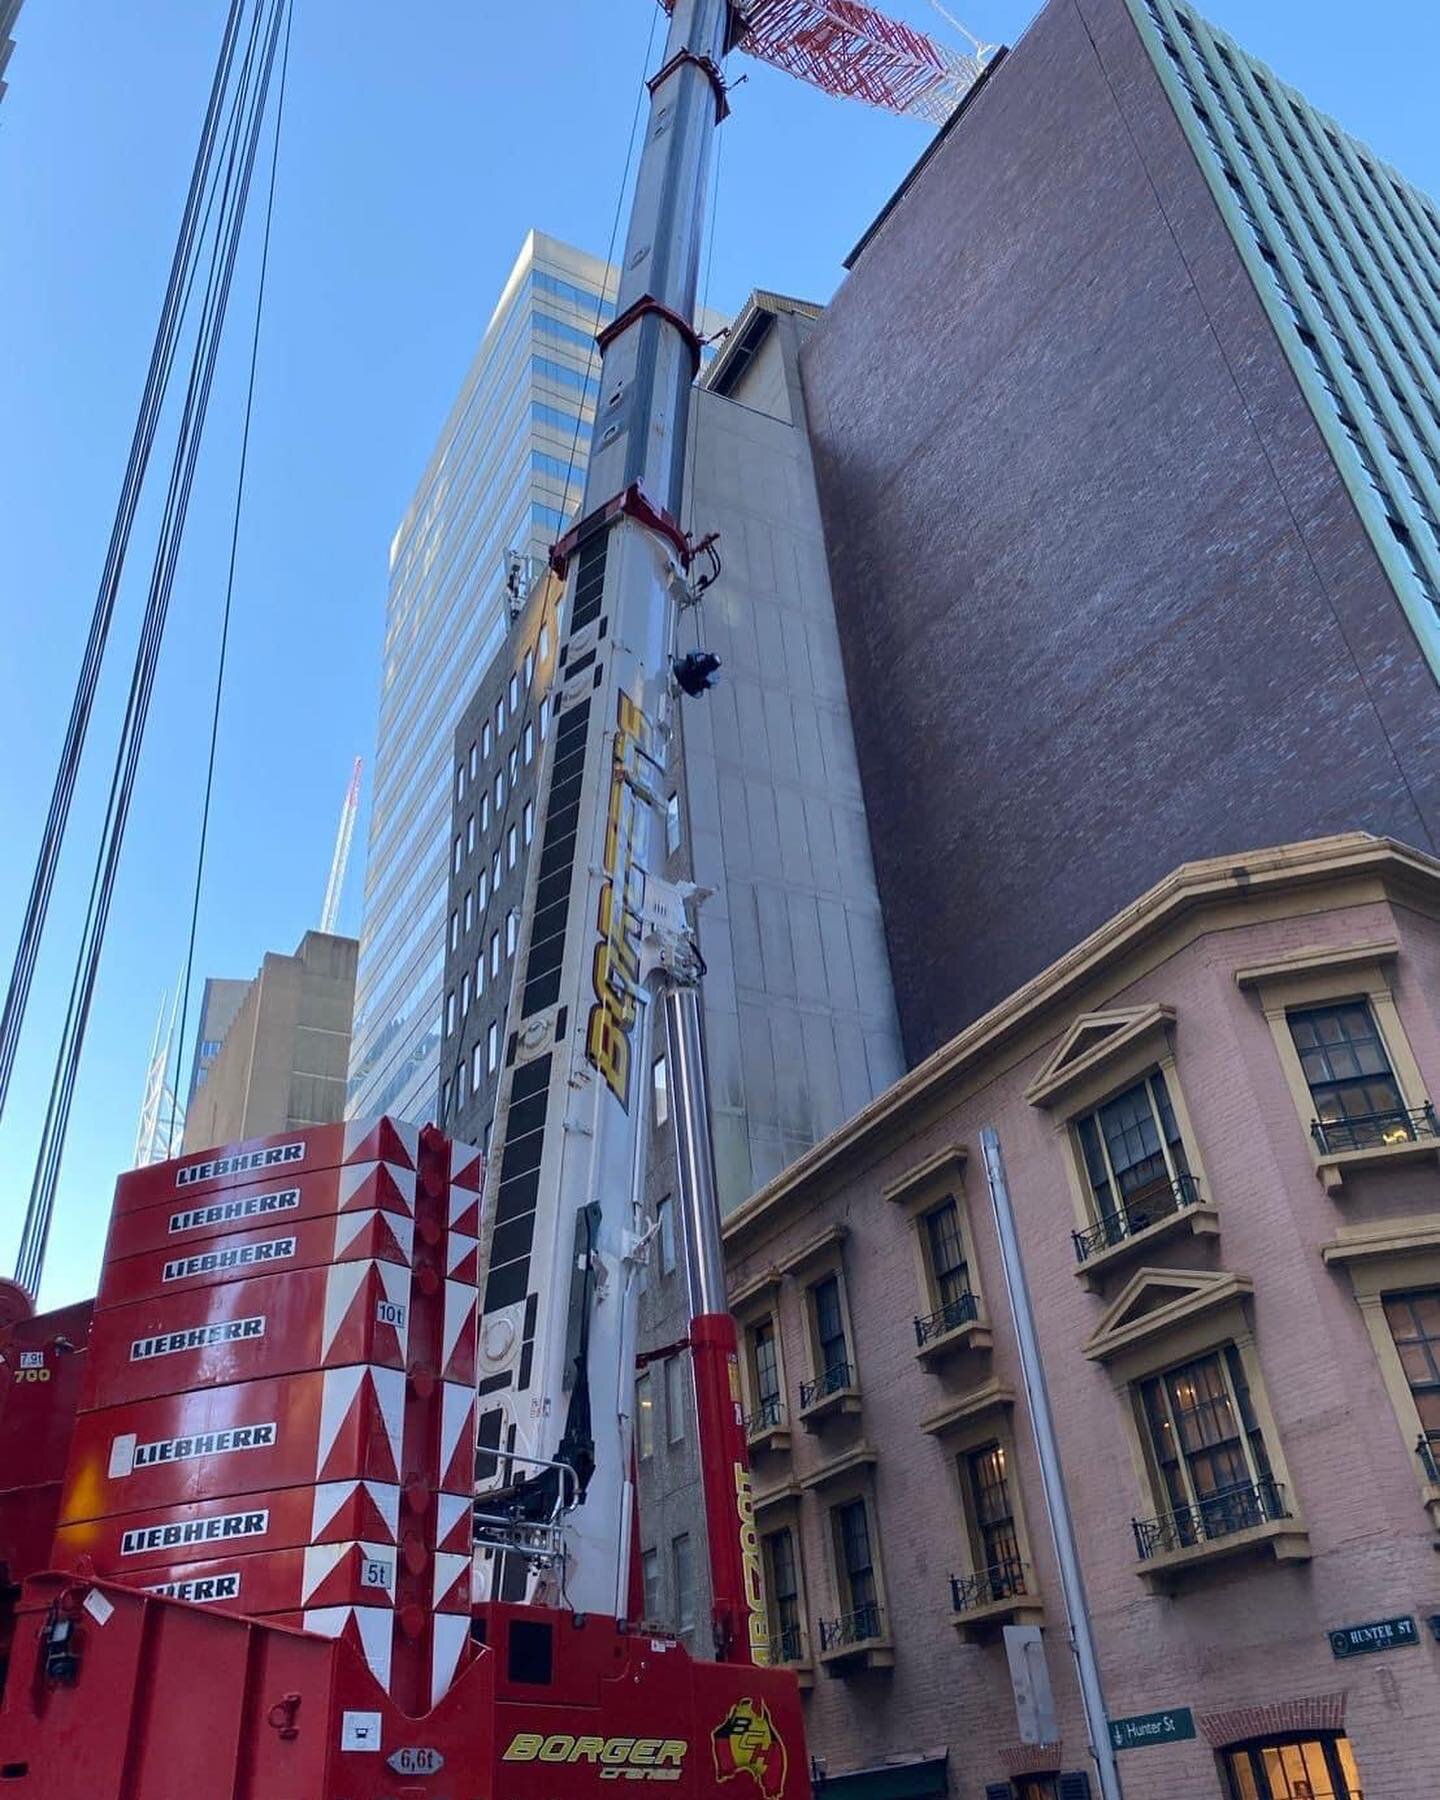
[1344,1060]
[644,1416]
[829,1325]
[675,1399]
[767,1367]
[684,1583]
[650,1575]
[947,1254]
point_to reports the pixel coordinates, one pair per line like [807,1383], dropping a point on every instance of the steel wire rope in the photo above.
[162,353]
[247,116]
[289,12]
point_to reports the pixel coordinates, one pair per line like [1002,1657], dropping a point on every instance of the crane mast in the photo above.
[561,1241]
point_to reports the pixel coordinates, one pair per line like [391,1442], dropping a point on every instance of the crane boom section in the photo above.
[560,1230]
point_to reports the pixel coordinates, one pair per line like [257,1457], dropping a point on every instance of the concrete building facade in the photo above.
[283,1058]
[507,470]
[763,807]
[1216,1119]
[1125,426]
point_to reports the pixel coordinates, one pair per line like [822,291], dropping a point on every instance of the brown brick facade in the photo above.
[1105,601]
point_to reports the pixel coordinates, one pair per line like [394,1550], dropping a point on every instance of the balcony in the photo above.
[1224,1523]
[1370,1140]
[1163,1209]
[954,1326]
[993,1597]
[831,1393]
[855,1640]
[767,1428]
[1427,1448]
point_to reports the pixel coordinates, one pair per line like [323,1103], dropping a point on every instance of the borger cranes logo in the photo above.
[615,969]
[745,1742]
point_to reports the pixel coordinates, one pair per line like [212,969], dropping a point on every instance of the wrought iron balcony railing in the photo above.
[787,1646]
[831,1381]
[769,1415]
[1004,1581]
[859,1627]
[964,1309]
[1162,1201]
[1218,1515]
[1427,1448]
[1369,1131]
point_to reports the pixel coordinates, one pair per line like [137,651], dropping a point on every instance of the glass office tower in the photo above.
[1346,256]
[507,470]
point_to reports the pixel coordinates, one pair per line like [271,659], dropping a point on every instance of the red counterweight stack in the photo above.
[279,1405]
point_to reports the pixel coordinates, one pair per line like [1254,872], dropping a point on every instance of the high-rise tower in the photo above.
[1127,431]
[505,473]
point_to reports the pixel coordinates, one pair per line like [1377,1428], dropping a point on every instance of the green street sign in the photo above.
[1364,1640]
[1171,1727]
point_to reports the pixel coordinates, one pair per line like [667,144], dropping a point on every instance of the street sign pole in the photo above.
[1062,1528]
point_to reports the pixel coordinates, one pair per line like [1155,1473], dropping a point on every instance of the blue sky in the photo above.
[421,143]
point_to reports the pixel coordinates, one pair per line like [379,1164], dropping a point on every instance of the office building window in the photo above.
[445,1101]
[782,1591]
[675,1399]
[1132,1149]
[499,791]
[831,1346]
[684,1583]
[495,871]
[499,718]
[660,1090]
[512,847]
[996,1544]
[494,953]
[855,1566]
[650,1580]
[480,974]
[469,908]
[945,1255]
[460,784]
[470,834]
[644,1415]
[456,854]
[1414,1321]
[1348,1072]
[544,716]
[527,742]
[529,667]
[492,1047]
[544,642]
[454,930]
[485,740]
[464,994]
[476,1069]
[449,1013]
[665,1219]
[765,1372]
[1292,1767]
[514,693]
[482,890]
[512,931]
[474,760]
[672,824]
[1207,1444]
[485,811]
[460,1084]
[514,764]
[528,820]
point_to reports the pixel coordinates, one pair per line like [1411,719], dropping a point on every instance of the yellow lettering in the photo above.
[588,1749]
[644,1751]
[557,1748]
[524,1747]
[671,1751]
[617,1750]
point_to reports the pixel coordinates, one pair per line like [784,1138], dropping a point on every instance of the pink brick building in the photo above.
[1215,1119]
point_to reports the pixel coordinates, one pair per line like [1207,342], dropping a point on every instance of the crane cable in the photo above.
[241,140]
[162,357]
[235,533]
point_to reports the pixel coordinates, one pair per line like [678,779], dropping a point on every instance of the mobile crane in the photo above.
[388,1672]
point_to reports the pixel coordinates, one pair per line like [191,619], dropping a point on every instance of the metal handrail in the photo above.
[787,1646]
[1164,1200]
[1368,1131]
[833,1380]
[510,1528]
[1426,1448]
[964,1309]
[1003,1581]
[769,1415]
[1219,1515]
[859,1627]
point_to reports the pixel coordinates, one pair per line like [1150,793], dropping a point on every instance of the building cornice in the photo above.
[1197,895]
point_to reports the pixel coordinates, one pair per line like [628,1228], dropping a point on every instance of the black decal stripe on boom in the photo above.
[557,864]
